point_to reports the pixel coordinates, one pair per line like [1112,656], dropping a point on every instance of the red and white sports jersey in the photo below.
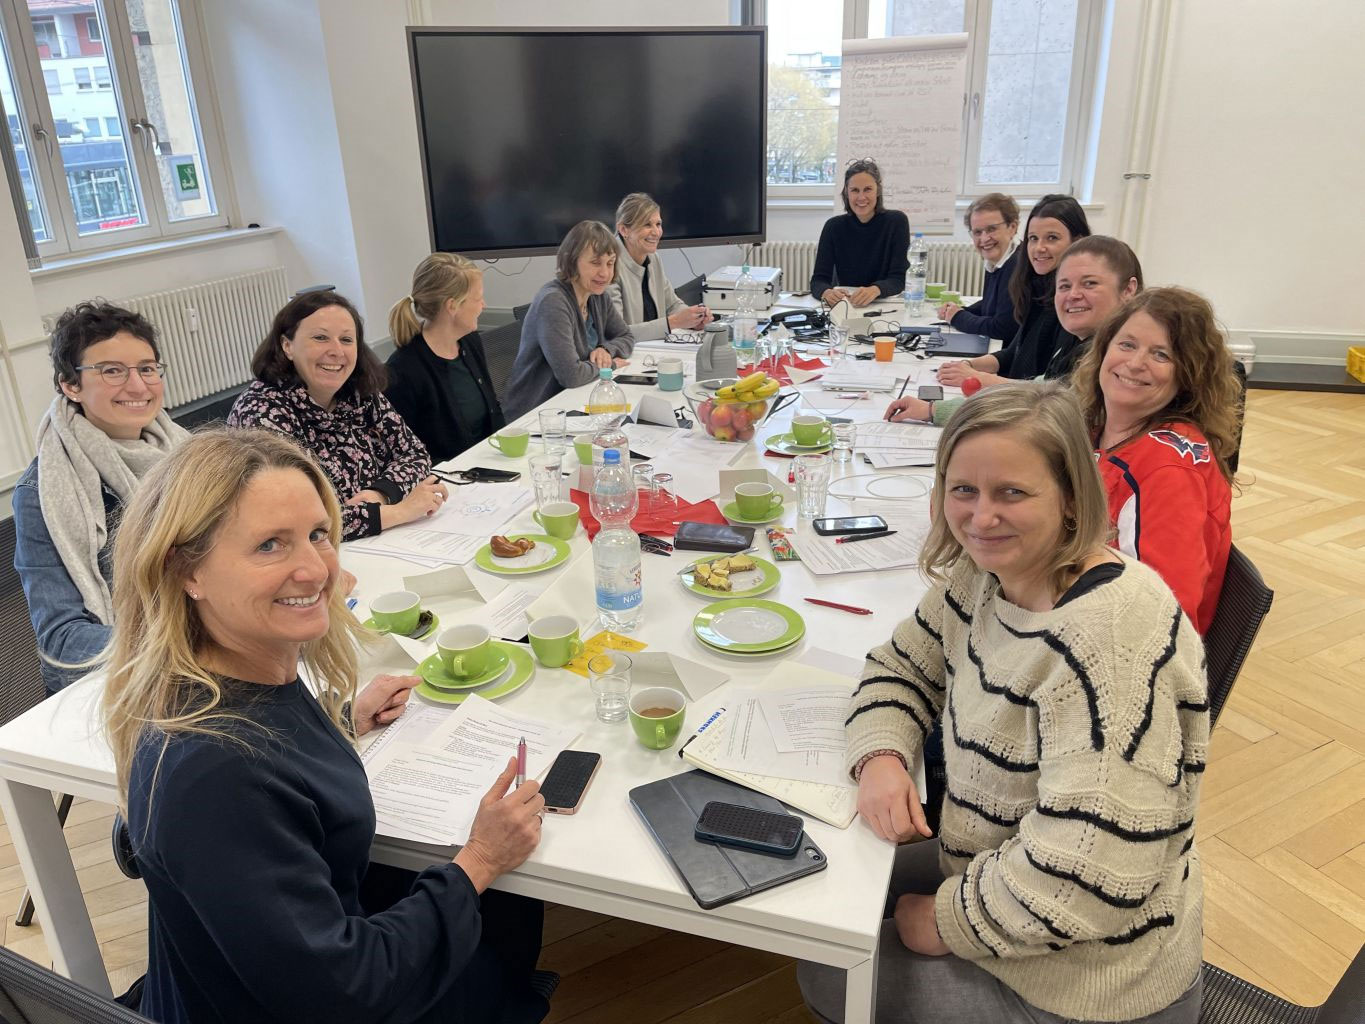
[1173,509]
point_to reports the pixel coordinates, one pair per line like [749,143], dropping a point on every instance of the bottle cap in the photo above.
[604,373]
[745,269]
[610,455]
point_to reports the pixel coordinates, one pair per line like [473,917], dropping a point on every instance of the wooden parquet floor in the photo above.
[1281,826]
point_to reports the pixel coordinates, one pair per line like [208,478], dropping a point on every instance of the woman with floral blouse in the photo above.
[318,383]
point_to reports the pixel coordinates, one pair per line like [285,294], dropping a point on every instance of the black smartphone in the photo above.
[568,780]
[750,828]
[930,393]
[635,378]
[849,524]
[485,475]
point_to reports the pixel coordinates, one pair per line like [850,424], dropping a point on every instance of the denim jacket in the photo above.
[66,631]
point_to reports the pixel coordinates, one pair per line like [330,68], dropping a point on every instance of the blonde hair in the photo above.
[1207,391]
[1046,417]
[635,209]
[158,686]
[438,278]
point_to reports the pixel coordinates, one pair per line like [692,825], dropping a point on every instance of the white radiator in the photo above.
[208,331]
[956,264]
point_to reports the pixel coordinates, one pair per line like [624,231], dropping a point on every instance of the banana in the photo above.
[767,390]
[726,392]
[750,382]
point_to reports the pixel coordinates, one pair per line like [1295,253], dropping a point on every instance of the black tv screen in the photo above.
[526,132]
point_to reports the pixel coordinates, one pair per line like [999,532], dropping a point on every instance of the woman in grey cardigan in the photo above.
[642,293]
[572,330]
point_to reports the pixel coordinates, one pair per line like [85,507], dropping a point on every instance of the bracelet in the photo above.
[862,761]
[930,417]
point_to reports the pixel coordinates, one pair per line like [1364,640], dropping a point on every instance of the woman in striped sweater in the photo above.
[1064,883]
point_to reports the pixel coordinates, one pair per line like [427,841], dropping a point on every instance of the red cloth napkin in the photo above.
[657,516]
[780,370]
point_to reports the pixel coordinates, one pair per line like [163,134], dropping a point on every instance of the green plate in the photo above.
[750,654]
[523,668]
[548,552]
[758,580]
[785,444]
[731,511]
[744,626]
[433,672]
[435,625]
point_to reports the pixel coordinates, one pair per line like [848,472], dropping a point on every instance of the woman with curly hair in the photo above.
[1161,400]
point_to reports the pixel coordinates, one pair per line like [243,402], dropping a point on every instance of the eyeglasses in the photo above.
[989,229]
[116,374]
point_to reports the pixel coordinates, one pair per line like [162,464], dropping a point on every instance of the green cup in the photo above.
[812,430]
[584,450]
[558,518]
[396,611]
[656,715]
[554,640]
[954,297]
[466,651]
[757,501]
[934,289]
[511,441]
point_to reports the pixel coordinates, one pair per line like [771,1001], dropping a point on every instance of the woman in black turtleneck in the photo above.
[862,253]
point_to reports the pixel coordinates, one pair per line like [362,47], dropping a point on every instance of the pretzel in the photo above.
[505,548]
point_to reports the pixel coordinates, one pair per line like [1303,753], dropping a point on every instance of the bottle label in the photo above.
[620,600]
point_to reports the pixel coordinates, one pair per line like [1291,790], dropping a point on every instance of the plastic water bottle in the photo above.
[745,321]
[918,256]
[606,396]
[610,438]
[616,548]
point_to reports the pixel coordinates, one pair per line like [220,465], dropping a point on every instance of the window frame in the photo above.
[50,173]
[976,13]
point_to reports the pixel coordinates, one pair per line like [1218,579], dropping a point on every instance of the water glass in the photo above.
[845,435]
[812,485]
[554,430]
[643,477]
[664,498]
[838,339]
[546,478]
[609,677]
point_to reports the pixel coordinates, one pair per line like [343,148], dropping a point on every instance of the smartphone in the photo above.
[568,780]
[930,393]
[635,378]
[750,828]
[850,524]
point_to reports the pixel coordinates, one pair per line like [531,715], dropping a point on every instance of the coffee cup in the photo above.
[554,640]
[812,430]
[396,611]
[934,289]
[466,651]
[511,441]
[884,349]
[583,449]
[670,374]
[558,518]
[757,501]
[656,715]
[951,296]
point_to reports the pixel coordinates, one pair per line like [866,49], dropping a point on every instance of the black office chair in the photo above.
[519,312]
[30,994]
[1230,1000]
[1236,456]
[21,682]
[690,291]
[500,351]
[1242,606]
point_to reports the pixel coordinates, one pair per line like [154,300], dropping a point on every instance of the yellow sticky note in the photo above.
[603,641]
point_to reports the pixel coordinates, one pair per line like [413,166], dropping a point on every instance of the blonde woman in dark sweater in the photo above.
[1064,883]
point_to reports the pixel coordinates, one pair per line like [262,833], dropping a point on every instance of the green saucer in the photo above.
[731,511]
[433,671]
[785,444]
[523,668]
[548,552]
[758,580]
[431,630]
[748,626]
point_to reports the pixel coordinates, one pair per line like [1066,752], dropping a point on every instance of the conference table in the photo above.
[601,859]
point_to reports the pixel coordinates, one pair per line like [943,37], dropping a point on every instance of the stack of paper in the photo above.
[860,376]
[472,514]
[898,444]
[824,556]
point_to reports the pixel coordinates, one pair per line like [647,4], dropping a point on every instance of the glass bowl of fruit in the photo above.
[731,408]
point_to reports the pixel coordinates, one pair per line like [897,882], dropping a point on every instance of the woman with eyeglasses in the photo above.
[862,253]
[104,431]
[993,221]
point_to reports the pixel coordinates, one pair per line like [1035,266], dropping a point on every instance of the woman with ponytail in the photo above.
[438,376]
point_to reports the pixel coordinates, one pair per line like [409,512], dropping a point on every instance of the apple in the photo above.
[723,434]
[746,433]
[704,411]
[757,409]
[722,415]
[740,419]
[971,386]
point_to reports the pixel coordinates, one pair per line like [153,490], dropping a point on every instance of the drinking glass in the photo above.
[553,430]
[546,479]
[845,435]
[838,339]
[812,485]
[664,498]
[643,478]
[609,677]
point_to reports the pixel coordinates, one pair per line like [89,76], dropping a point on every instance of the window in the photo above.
[91,183]
[1029,74]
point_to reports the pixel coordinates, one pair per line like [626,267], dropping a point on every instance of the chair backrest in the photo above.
[519,312]
[500,350]
[1346,1004]
[21,682]
[690,292]
[1242,607]
[30,994]
[1236,455]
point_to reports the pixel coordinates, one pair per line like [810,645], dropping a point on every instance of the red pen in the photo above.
[521,760]
[842,607]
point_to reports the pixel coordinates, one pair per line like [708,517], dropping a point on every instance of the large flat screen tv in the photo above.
[526,132]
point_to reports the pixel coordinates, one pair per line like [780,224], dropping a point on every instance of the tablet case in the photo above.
[692,536]
[716,875]
[955,343]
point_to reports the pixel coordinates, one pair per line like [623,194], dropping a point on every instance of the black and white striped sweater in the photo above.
[1074,740]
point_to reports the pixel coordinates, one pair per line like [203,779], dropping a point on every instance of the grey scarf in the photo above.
[74,458]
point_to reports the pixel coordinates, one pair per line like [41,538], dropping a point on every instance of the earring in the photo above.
[193,595]
[1070,523]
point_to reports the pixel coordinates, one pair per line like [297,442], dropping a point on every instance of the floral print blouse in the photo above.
[362,444]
